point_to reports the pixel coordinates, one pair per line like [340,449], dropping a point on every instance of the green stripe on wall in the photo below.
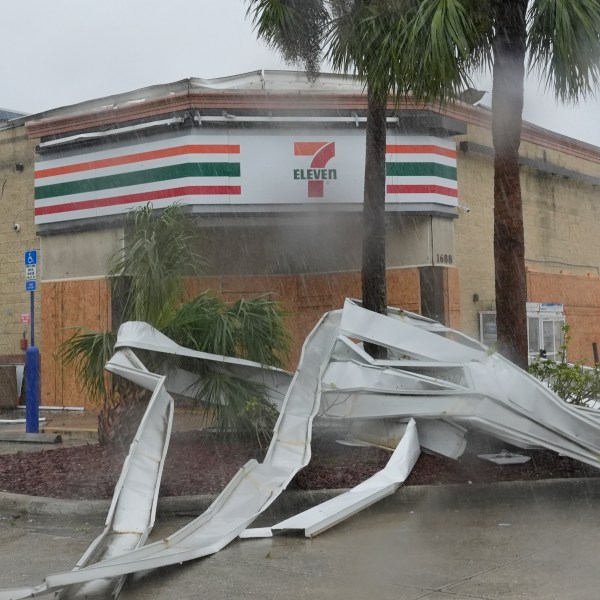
[216,169]
[424,169]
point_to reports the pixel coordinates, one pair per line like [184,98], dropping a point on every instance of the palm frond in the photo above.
[564,46]
[88,352]
[424,48]
[239,407]
[292,27]
[252,329]
[259,332]
[446,40]
[157,253]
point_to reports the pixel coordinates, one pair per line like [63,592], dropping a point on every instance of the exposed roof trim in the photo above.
[7,114]
[265,90]
[118,131]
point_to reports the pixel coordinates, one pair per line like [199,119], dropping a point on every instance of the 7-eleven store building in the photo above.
[273,167]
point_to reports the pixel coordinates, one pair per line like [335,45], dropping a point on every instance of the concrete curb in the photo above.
[295,501]
[30,438]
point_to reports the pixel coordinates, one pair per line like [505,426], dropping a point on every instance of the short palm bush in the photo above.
[150,270]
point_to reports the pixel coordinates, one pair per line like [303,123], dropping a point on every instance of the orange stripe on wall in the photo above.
[140,157]
[307,148]
[407,149]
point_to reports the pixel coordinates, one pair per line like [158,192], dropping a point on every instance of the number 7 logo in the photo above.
[322,153]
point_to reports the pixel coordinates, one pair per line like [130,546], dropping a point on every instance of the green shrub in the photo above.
[574,383]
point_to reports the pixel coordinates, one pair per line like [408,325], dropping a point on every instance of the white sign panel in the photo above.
[242,168]
[30,272]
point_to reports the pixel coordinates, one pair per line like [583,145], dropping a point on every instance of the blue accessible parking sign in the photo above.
[30,270]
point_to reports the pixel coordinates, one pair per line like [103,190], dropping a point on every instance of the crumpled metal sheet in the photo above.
[133,508]
[437,380]
[253,488]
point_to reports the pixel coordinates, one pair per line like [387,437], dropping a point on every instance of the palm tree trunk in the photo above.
[509,239]
[374,293]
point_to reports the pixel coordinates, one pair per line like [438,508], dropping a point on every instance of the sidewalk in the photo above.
[75,427]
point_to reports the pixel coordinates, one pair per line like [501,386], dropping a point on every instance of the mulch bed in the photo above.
[198,464]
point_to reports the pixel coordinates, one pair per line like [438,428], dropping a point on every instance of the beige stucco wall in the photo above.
[16,207]
[79,254]
[322,243]
[561,218]
[474,238]
[419,240]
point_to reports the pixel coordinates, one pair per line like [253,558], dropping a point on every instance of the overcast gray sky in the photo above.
[58,52]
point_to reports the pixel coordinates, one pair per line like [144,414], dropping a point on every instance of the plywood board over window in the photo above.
[66,306]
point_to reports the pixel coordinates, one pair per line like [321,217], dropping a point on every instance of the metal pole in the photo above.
[32,378]
[595,351]
[32,315]
[32,389]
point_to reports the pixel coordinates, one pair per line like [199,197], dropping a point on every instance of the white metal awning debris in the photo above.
[437,385]
[382,484]
[506,458]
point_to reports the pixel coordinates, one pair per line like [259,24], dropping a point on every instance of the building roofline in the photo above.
[262,90]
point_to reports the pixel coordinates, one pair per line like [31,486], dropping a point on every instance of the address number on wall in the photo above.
[444,258]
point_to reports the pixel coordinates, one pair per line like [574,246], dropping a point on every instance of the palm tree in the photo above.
[430,47]
[149,271]
[367,37]
[560,40]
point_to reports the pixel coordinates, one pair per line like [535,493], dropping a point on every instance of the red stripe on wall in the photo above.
[191,190]
[421,189]
[425,149]
[139,157]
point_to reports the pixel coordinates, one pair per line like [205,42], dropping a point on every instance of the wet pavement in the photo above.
[496,542]
[535,540]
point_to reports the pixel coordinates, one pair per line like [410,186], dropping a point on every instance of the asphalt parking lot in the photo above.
[535,540]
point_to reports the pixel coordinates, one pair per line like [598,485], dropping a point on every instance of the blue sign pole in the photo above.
[32,390]
[32,316]
[32,356]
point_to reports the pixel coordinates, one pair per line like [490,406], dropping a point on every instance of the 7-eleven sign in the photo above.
[317,174]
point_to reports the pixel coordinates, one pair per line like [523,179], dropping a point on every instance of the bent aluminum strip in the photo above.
[133,508]
[350,374]
[403,337]
[137,334]
[506,421]
[254,487]
[436,436]
[441,375]
[382,484]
